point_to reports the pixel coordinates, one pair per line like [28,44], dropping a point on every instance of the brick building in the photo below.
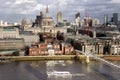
[50,49]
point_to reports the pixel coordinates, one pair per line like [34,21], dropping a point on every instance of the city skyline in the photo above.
[16,10]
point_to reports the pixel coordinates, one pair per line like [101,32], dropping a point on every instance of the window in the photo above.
[49,23]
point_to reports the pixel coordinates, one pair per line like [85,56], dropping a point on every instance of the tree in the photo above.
[60,36]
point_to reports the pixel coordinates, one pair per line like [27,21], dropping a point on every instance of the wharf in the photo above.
[56,57]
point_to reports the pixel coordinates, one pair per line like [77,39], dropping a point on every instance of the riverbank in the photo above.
[57,57]
[106,57]
[112,57]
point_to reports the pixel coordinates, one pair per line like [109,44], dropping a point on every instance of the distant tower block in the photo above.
[115,18]
[77,19]
[59,17]
[105,19]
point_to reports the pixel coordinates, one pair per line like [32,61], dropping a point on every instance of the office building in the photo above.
[105,19]
[77,19]
[115,18]
[95,22]
[59,17]
[9,32]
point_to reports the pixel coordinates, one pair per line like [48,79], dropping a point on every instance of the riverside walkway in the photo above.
[56,57]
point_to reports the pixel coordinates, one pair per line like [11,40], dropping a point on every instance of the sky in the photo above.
[16,10]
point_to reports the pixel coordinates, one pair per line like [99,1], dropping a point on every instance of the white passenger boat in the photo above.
[59,73]
[60,61]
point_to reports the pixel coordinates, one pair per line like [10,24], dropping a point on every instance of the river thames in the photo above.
[37,70]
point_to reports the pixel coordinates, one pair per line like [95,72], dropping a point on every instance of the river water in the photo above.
[37,70]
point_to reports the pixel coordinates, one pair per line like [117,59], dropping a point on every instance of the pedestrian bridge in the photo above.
[97,58]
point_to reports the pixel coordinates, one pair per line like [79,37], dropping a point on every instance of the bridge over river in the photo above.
[88,55]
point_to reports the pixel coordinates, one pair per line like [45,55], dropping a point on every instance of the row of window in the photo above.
[45,23]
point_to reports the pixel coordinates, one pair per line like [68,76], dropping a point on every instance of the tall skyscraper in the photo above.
[77,19]
[115,18]
[59,17]
[77,15]
[105,19]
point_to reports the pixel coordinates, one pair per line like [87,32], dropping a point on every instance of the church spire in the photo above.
[47,11]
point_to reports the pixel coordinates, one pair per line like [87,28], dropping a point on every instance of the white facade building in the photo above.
[2,23]
[95,22]
[115,49]
[9,32]
[52,30]
[5,24]
[82,23]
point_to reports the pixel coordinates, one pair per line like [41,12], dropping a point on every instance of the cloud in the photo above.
[64,2]
[85,0]
[26,7]
[24,1]
[115,1]
[68,7]
[8,3]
